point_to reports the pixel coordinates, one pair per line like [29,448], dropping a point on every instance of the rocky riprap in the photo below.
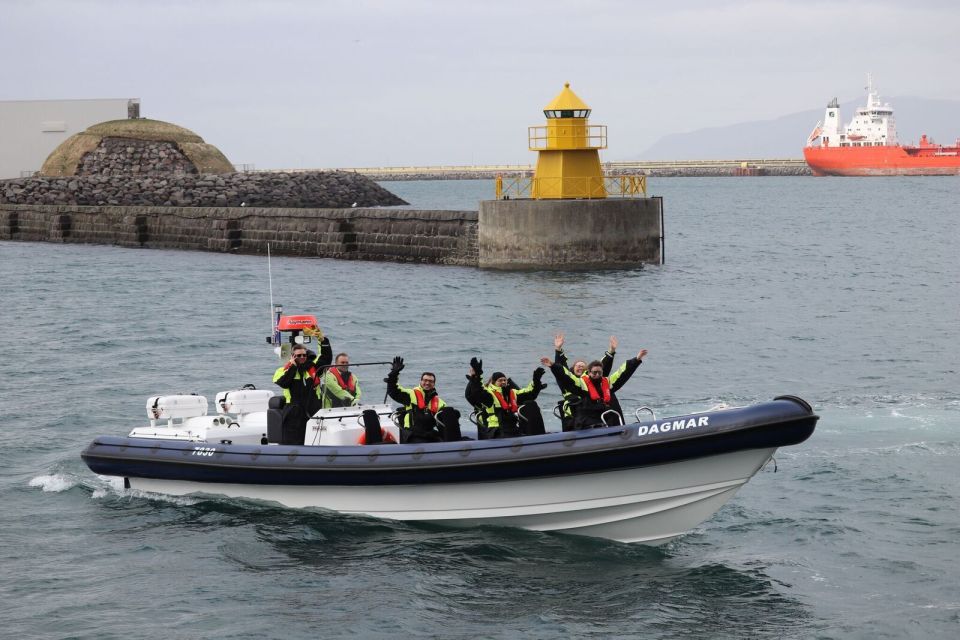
[126,156]
[135,146]
[318,189]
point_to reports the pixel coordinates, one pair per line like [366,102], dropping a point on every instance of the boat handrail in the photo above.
[603,418]
[653,415]
[395,417]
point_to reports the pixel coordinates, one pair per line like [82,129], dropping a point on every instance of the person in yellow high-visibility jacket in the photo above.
[596,392]
[426,417]
[299,378]
[339,386]
[503,409]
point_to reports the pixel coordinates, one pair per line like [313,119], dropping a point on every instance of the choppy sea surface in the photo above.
[845,292]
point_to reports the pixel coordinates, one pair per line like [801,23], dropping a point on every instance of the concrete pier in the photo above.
[570,234]
[417,236]
[506,234]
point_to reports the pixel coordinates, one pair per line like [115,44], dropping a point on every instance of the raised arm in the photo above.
[285,376]
[564,377]
[475,393]
[620,377]
[532,390]
[325,357]
[558,353]
[607,360]
[394,390]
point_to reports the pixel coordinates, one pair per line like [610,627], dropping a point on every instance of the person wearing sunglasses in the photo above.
[578,370]
[595,391]
[299,378]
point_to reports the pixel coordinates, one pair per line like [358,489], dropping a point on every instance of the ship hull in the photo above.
[882,161]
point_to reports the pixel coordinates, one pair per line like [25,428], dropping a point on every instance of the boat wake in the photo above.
[56,483]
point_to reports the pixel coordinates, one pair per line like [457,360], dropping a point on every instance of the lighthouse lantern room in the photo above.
[568,159]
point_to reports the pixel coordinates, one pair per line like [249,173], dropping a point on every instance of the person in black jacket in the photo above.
[299,378]
[426,417]
[595,391]
[503,409]
[565,407]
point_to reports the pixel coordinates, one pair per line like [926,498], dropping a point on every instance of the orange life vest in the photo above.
[350,385]
[422,403]
[592,388]
[512,406]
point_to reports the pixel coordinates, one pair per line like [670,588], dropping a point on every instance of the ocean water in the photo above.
[845,292]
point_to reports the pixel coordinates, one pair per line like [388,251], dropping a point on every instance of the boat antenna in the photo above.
[275,312]
[270,278]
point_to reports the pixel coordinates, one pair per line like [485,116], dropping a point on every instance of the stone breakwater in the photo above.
[718,172]
[394,235]
[318,189]
[656,172]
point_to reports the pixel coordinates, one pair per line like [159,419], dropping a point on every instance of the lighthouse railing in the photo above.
[515,187]
[563,137]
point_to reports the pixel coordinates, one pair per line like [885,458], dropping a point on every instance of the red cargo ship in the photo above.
[868,146]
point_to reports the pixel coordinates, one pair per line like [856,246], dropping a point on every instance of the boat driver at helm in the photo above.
[598,404]
[425,416]
[339,387]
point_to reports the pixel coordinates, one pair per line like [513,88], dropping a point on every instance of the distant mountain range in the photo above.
[786,136]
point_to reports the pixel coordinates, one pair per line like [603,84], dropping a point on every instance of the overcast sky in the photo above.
[321,84]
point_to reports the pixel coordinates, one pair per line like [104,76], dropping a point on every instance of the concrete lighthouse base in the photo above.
[570,234]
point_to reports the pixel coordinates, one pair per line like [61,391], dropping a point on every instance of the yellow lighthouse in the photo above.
[569,215]
[568,159]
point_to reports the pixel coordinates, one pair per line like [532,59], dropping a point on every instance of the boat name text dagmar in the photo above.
[673,425]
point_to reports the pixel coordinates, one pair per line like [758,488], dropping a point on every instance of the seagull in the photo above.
[354,204]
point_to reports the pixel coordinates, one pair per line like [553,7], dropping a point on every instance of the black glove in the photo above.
[397,365]
[477,366]
[538,374]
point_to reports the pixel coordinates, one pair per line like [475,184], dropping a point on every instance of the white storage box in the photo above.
[168,407]
[243,401]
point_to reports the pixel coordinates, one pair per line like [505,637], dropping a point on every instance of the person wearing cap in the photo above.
[426,417]
[503,409]
[595,391]
[578,370]
[340,387]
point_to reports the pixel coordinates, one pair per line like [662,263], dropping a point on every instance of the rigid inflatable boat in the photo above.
[648,481]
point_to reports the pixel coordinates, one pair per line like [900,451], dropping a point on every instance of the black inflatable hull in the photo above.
[784,421]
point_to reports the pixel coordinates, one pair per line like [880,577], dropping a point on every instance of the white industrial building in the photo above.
[31,129]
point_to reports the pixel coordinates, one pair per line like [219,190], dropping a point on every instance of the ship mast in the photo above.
[873,98]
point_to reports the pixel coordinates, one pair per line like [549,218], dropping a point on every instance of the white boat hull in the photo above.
[650,505]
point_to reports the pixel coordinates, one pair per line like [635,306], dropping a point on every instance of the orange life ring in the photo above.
[385,436]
